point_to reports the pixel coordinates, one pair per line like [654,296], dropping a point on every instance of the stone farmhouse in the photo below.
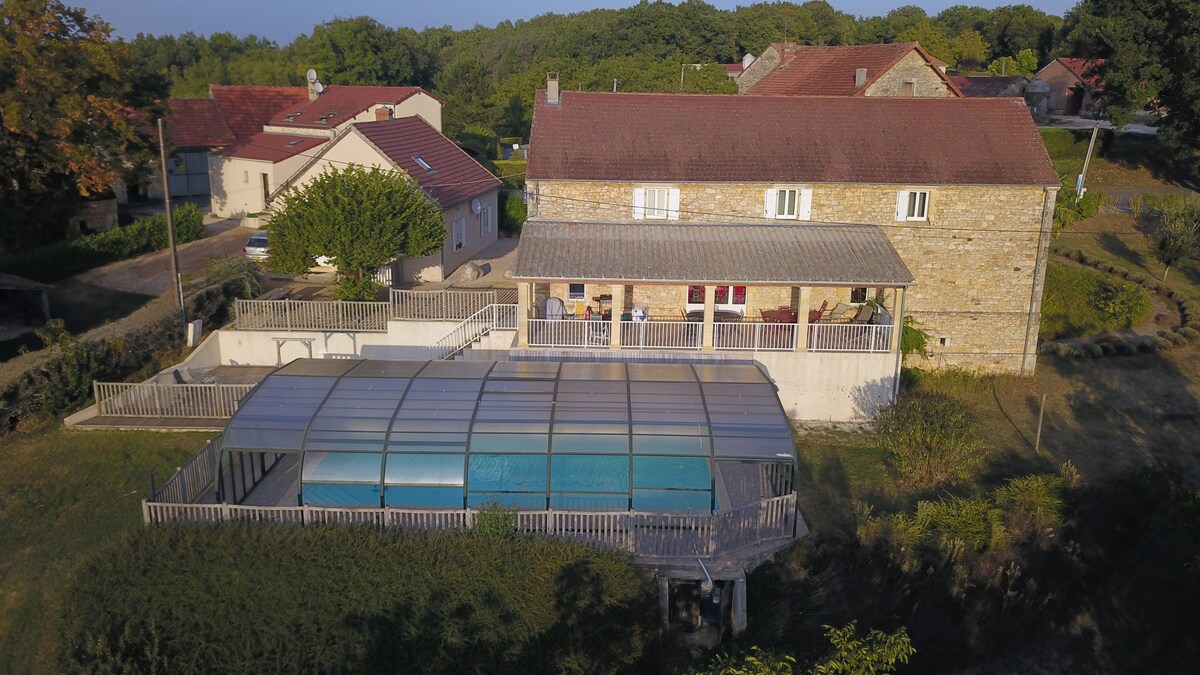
[900,69]
[833,217]
[1072,83]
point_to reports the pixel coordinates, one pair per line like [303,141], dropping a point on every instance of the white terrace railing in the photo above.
[639,533]
[289,315]
[124,399]
[569,333]
[439,305]
[755,336]
[474,327]
[849,337]
[190,480]
[661,334]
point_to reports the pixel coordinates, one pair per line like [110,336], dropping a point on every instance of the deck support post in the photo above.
[710,312]
[802,318]
[617,305]
[664,602]
[738,611]
[524,289]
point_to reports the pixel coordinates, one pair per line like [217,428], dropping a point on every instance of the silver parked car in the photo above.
[257,248]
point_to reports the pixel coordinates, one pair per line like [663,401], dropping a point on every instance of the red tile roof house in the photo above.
[244,175]
[900,69]
[1072,82]
[797,232]
[990,85]
[466,191]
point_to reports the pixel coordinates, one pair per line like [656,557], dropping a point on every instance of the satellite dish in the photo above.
[312,75]
[476,207]
[318,87]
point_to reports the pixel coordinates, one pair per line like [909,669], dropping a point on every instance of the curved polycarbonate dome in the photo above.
[535,435]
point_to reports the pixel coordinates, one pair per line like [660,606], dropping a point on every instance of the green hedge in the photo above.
[68,258]
[263,599]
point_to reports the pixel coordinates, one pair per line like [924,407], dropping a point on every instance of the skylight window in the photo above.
[292,144]
[422,163]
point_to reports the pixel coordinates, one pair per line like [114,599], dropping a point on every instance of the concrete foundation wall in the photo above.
[831,387]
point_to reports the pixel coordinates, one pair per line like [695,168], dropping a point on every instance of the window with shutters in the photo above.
[918,204]
[656,202]
[788,203]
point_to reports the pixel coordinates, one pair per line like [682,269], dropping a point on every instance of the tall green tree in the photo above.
[1178,236]
[362,219]
[1152,57]
[70,104]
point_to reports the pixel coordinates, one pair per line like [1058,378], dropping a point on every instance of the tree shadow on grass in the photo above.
[1117,246]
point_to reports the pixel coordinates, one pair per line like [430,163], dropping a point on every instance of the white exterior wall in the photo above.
[237,183]
[477,238]
[829,386]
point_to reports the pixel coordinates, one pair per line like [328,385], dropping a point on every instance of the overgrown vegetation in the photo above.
[849,653]
[68,258]
[931,438]
[355,600]
[1080,302]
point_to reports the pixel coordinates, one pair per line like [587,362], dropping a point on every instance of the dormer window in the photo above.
[422,163]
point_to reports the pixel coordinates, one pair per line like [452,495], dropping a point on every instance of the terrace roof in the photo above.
[535,435]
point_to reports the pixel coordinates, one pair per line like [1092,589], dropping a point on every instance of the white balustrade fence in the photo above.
[475,327]
[191,480]
[439,305]
[661,334]
[125,399]
[640,533]
[569,333]
[755,336]
[849,337]
[289,315]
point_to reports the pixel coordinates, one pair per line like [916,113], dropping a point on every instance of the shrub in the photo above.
[1092,349]
[1032,503]
[512,212]
[1124,304]
[755,661]
[212,599]
[1174,337]
[876,652]
[68,258]
[913,340]
[1160,343]
[1189,332]
[930,437]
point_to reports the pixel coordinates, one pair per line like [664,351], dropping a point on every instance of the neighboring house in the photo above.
[733,70]
[195,128]
[244,175]
[792,211]
[465,190]
[1072,83]
[900,69]
[991,85]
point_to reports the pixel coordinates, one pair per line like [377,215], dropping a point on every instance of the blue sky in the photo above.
[282,20]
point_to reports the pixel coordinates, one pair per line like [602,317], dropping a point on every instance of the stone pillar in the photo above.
[618,306]
[738,611]
[710,310]
[802,318]
[897,320]
[524,305]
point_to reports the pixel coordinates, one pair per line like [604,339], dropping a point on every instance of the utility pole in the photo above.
[166,187]
[1037,444]
[1079,188]
[681,67]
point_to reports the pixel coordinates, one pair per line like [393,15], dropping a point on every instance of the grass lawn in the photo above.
[62,494]
[1120,161]
[1070,306]
[81,307]
[1114,237]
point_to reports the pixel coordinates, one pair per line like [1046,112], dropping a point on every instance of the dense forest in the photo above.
[487,75]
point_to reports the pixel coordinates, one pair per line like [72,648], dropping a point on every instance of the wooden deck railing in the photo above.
[439,305]
[126,399]
[190,480]
[289,315]
[639,533]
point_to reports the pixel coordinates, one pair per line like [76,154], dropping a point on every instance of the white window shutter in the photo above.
[673,204]
[805,210]
[902,205]
[639,203]
[769,203]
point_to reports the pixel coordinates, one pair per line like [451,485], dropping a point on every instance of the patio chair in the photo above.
[598,332]
[841,313]
[814,315]
[864,314]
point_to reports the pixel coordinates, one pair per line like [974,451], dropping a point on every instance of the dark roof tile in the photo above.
[994,85]
[272,147]
[829,70]
[731,138]
[339,104]
[196,124]
[247,108]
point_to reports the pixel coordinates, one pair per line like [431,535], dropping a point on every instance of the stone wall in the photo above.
[758,69]
[912,67]
[978,260]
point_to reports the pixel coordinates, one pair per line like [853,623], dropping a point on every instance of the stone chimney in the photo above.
[383,113]
[860,77]
[553,97]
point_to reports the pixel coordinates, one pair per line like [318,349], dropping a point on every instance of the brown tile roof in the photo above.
[1082,69]
[196,124]
[272,147]
[829,71]
[247,108]
[732,138]
[812,253]
[994,85]
[454,178]
[339,104]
